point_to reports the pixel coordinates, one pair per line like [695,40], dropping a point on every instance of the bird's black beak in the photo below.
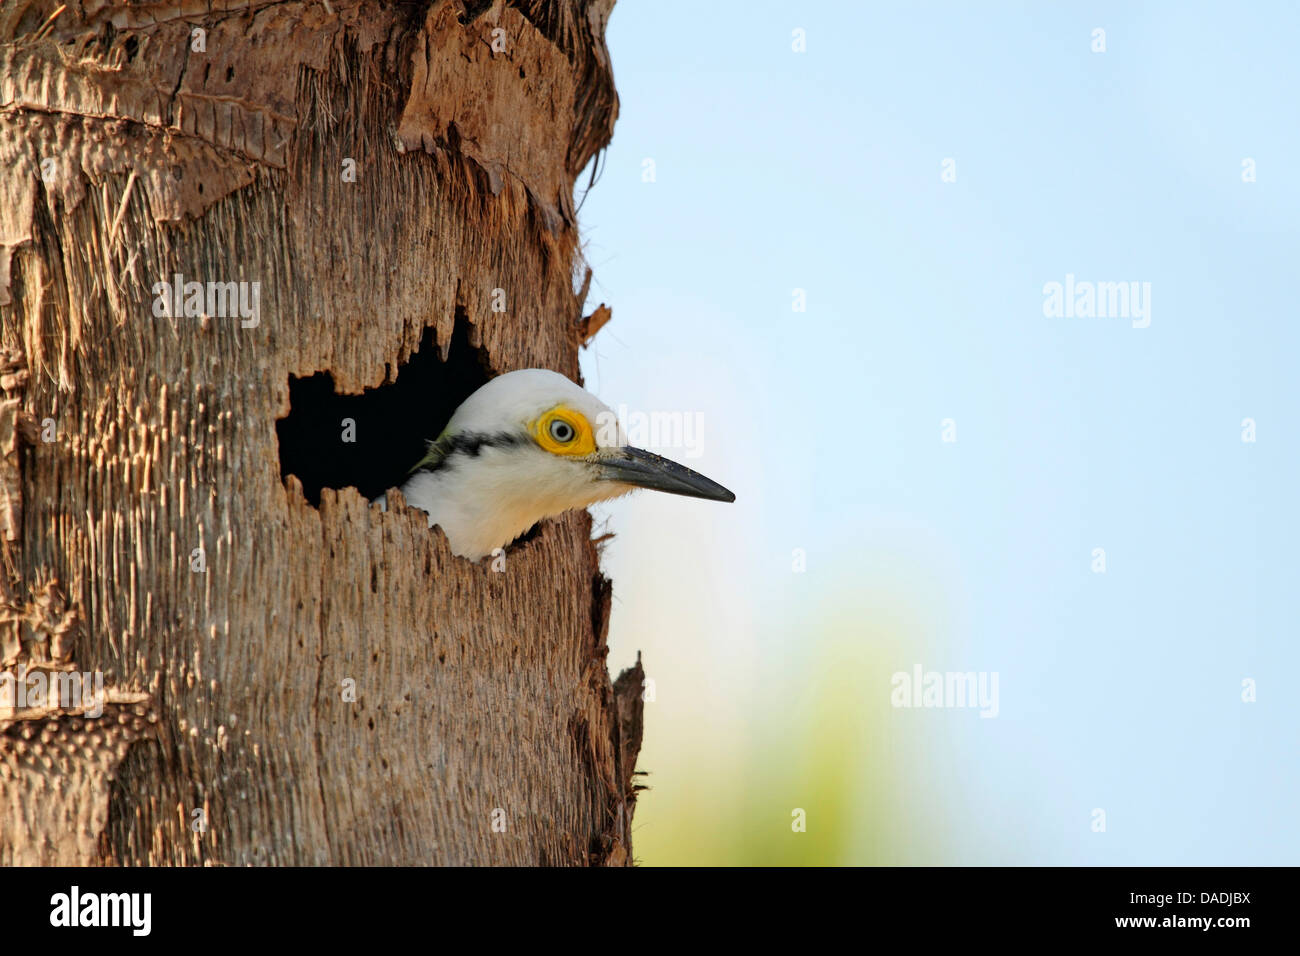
[634,466]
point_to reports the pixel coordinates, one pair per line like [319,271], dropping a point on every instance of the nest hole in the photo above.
[371,441]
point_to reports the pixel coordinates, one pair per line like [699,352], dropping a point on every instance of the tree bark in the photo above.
[290,676]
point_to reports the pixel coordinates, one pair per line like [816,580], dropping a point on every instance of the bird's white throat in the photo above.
[485,501]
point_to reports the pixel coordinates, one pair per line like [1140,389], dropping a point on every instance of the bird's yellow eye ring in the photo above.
[564,431]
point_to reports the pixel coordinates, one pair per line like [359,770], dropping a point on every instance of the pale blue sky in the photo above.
[776,170]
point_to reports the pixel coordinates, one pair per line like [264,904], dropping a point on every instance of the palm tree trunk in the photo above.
[250,254]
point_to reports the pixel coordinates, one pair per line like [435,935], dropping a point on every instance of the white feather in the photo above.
[485,501]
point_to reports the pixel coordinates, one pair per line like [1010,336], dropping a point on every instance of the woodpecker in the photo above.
[529,445]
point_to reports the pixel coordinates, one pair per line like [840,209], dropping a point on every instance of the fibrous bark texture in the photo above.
[285,682]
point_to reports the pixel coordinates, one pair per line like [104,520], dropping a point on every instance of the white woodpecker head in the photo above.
[529,445]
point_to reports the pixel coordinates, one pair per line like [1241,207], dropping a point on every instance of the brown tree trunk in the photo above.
[290,676]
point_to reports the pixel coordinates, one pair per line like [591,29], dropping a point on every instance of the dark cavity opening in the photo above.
[392,423]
